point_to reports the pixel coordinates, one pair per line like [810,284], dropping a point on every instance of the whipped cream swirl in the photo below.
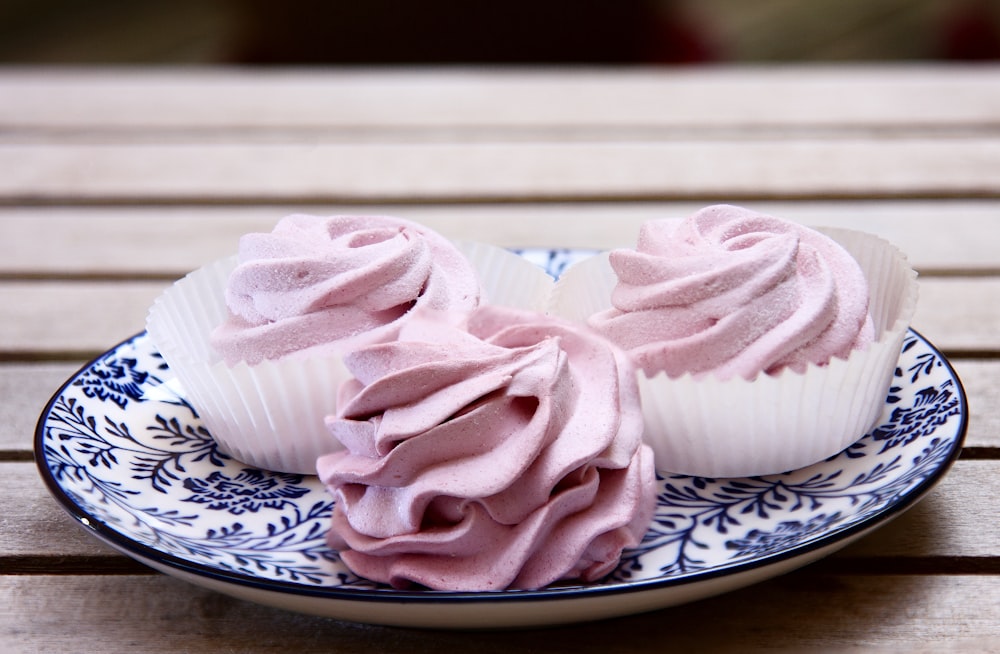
[504,455]
[732,292]
[337,282]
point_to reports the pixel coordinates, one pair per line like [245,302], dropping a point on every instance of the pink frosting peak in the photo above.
[337,282]
[504,455]
[732,292]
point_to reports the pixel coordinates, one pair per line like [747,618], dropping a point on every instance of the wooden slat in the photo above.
[889,97]
[981,380]
[25,388]
[143,240]
[960,314]
[36,525]
[946,167]
[798,612]
[956,314]
[949,523]
[66,319]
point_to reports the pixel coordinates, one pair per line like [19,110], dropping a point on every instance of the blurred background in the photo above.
[367,32]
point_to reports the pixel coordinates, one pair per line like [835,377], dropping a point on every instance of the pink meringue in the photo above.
[732,292]
[507,454]
[335,283]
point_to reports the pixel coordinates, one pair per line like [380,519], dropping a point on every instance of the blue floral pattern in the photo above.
[250,490]
[124,451]
[114,379]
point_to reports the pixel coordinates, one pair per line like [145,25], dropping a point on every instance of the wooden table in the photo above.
[116,182]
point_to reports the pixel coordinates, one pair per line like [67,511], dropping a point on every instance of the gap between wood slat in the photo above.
[48,356]
[954,354]
[307,200]
[969,453]
[980,453]
[100,277]
[482,133]
[840,565]
[16,456]
[72,565]
[119,276]
[906,565]
[62,356]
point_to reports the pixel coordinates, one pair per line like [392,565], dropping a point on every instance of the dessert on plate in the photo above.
[257,339]
[505,452]
[765,345]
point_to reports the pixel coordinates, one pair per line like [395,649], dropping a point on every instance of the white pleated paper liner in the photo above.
[774,423]
[270,415]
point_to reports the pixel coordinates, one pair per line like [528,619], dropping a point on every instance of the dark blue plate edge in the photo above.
[136,550]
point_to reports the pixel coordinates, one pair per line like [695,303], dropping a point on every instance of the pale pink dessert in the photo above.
[316,285]
[732,292]
[504,454]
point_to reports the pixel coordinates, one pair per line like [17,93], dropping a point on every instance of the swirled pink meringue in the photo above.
[505,456]
[729,291]
[337,282]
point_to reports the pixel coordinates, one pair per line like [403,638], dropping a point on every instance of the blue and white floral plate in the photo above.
[125,454]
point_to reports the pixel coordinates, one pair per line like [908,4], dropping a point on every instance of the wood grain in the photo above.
[123,99]
[798,612]
[118,181]
[948,523]
[981,380]
[73,320]
[185,172]
[82,318]
[170,241]
[25,389]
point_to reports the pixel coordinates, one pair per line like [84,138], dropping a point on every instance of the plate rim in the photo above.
[146,554]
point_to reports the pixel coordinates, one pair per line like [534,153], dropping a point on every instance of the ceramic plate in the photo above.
[123,451]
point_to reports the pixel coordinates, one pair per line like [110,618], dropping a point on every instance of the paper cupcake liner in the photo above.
[507,279]
[270,415]
[774,423]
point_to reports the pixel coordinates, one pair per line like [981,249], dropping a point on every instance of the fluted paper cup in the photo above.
[508,279]
[708,427]
[270,414]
